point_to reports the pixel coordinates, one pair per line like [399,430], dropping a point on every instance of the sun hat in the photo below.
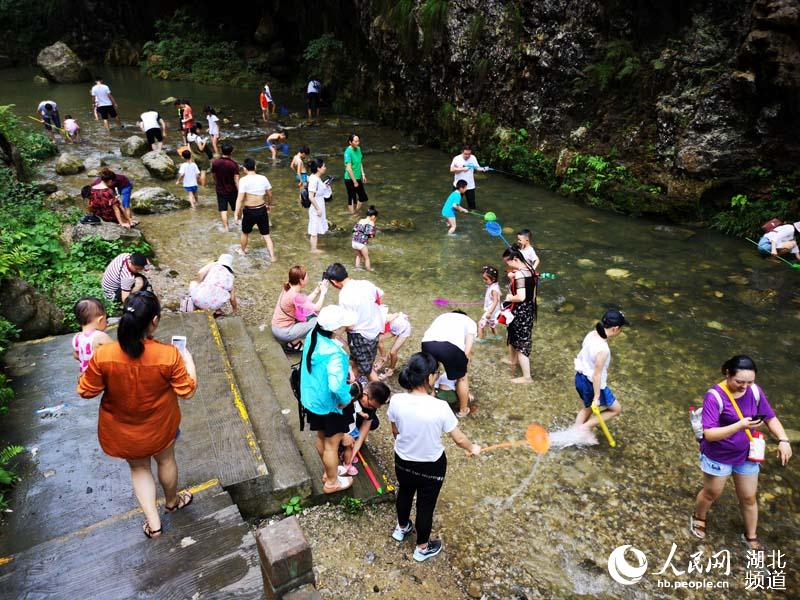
[226,260]
[333,316]
[614,318]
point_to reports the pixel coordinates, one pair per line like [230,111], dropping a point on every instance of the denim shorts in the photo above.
[192,188]
[126,196]
[764,245]
[718,469]
[585,389]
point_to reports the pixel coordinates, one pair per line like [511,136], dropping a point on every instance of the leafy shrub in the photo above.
[32,145]
[184,50]
[514,152]
[293,506]
[619,63]
[7,475]
[352,506]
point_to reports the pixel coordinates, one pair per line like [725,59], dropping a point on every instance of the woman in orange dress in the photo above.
[142,380]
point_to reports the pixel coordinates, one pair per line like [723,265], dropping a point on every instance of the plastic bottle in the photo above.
[758,447]
[696,417]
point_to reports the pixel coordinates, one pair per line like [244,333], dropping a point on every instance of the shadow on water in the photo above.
[694,298]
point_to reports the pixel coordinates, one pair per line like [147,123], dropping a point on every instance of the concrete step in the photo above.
[206,551]
[68,482]
[278,369]
[287,472]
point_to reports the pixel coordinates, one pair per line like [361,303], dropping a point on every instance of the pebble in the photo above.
[475,589]
[715,325]
[369,557]
[719,294]
[618,273]
[586,263]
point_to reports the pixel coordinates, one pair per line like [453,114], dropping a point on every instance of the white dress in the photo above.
[214,291]
[317,224]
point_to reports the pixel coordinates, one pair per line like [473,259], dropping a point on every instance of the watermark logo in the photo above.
[621,570]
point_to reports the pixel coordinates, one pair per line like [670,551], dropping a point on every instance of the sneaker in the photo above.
[434,547]
[400,533]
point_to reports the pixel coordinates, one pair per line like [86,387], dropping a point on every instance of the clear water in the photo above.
[693,302]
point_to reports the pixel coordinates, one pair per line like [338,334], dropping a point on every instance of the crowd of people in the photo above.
[344,366]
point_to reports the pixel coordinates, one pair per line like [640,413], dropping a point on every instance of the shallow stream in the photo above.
[694,298]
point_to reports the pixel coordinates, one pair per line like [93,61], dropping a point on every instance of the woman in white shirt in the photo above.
[418,421]
[318,192]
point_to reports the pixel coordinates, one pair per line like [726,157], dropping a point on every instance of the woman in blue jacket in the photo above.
[325,392]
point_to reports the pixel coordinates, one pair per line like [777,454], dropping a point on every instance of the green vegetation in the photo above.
[7,475]
[745,215]
[432,21]
[513,152]
[32,146]
[619,64]
[184,50]
[293,506]
[352,506]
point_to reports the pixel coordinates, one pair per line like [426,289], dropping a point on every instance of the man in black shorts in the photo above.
[253,203]
[226,181]
[449,340]
[312,96]
[154,128]
[104,103]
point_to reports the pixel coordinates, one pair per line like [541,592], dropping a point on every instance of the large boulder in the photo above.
[69,164]
[134,146]
[62,65]
[122,53]
[110,232]
[33,314]
[152,200]
[160,165]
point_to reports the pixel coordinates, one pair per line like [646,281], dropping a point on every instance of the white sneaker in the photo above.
[400,533]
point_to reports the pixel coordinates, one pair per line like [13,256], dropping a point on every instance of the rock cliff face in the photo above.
[688,95]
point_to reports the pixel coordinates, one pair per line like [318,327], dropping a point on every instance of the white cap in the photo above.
[226,260]
[333,316]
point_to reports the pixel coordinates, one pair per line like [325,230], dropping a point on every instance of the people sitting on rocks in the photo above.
[295,313]
[214,286]
[141,381]
[125,275]
[325,392]
[123,187]
[780,241]
[103,201]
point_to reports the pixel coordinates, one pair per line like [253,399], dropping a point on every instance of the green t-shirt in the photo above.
[354,158]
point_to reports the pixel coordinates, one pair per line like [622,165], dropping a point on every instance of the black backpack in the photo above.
[294,381]
[305,201]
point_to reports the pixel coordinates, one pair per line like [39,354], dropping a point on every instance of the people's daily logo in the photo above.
[623,571]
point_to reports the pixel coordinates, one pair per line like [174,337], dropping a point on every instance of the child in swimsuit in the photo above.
[91,316]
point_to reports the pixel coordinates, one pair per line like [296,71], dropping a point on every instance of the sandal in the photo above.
[342,483]
[462,415]
[753,543]
[184,499]
[296,346]
[698,530]
[151,533]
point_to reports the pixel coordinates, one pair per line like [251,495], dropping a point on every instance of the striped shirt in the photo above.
[117,276]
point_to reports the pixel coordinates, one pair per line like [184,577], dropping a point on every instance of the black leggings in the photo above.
[355,194]
[424,479]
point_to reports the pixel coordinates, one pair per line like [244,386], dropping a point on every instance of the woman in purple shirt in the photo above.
[725,445]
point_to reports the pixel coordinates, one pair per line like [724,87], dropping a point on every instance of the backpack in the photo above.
[305,201]
[696,415]
[294,381]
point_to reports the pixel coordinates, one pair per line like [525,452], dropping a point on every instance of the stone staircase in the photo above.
[75,529]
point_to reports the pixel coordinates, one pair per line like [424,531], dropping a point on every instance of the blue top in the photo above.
[453,199]
[325,387]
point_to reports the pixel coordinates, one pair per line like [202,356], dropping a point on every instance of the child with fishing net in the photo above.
[366,402]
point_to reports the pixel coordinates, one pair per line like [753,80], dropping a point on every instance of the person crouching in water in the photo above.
[366,402]
[591,371]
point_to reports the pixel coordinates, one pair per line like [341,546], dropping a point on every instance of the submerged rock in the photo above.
[69,164]
[152,200]
[586,263]
[46,187]
[674,233]
[108,231]
[62,65]
[397,225]
[715,325]
[59,198]
[134,146]
[159,165]
[618,273]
